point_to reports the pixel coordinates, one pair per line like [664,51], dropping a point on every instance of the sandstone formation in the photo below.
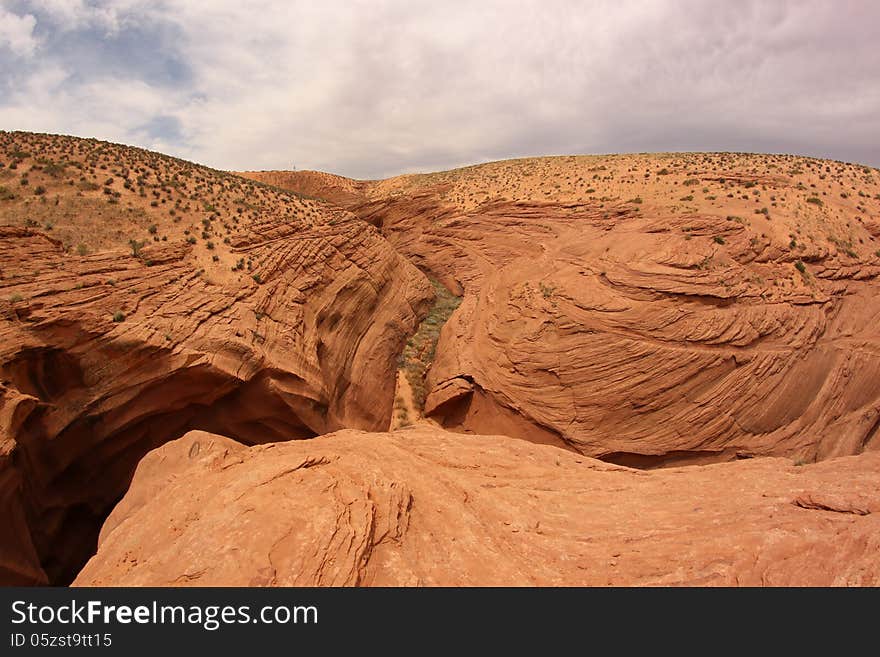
[709,313]
[426,507]
[182,298]
[649,309]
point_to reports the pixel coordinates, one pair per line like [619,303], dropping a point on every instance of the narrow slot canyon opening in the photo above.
[417,357]
[71,478]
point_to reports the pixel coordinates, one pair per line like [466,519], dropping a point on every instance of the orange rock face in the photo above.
[651,309]
[647,310]
[426,507]
[107,352]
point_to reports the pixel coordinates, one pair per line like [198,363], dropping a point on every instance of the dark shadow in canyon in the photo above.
[76,453]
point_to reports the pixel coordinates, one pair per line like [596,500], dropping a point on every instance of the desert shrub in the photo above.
[718,239]
[815,200]
[418,354]
[55,169]
[118,316]
[135,247]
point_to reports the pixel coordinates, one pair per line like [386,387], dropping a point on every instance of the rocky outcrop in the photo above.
[646,310]
[107,355]
[652,310]
[619,342]
[423,506]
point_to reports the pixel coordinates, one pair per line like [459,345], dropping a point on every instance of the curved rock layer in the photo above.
[652,309]
[223,305]
[426,507]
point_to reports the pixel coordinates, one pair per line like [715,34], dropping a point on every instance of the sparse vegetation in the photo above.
[418,354]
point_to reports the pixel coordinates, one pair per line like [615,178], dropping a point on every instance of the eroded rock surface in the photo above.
[650,309]
[423,506]
[109,350]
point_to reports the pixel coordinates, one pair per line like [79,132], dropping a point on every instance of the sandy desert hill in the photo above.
[627,369]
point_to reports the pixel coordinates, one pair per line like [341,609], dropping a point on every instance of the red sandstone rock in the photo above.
[649,318]
[107,354]
[425,507]
[642,309]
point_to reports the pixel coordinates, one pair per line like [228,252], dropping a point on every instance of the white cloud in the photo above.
[17,33]
[374,88]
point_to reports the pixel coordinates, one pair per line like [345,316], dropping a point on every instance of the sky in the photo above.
[375,88]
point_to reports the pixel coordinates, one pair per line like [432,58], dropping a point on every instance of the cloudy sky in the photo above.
[378,87]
